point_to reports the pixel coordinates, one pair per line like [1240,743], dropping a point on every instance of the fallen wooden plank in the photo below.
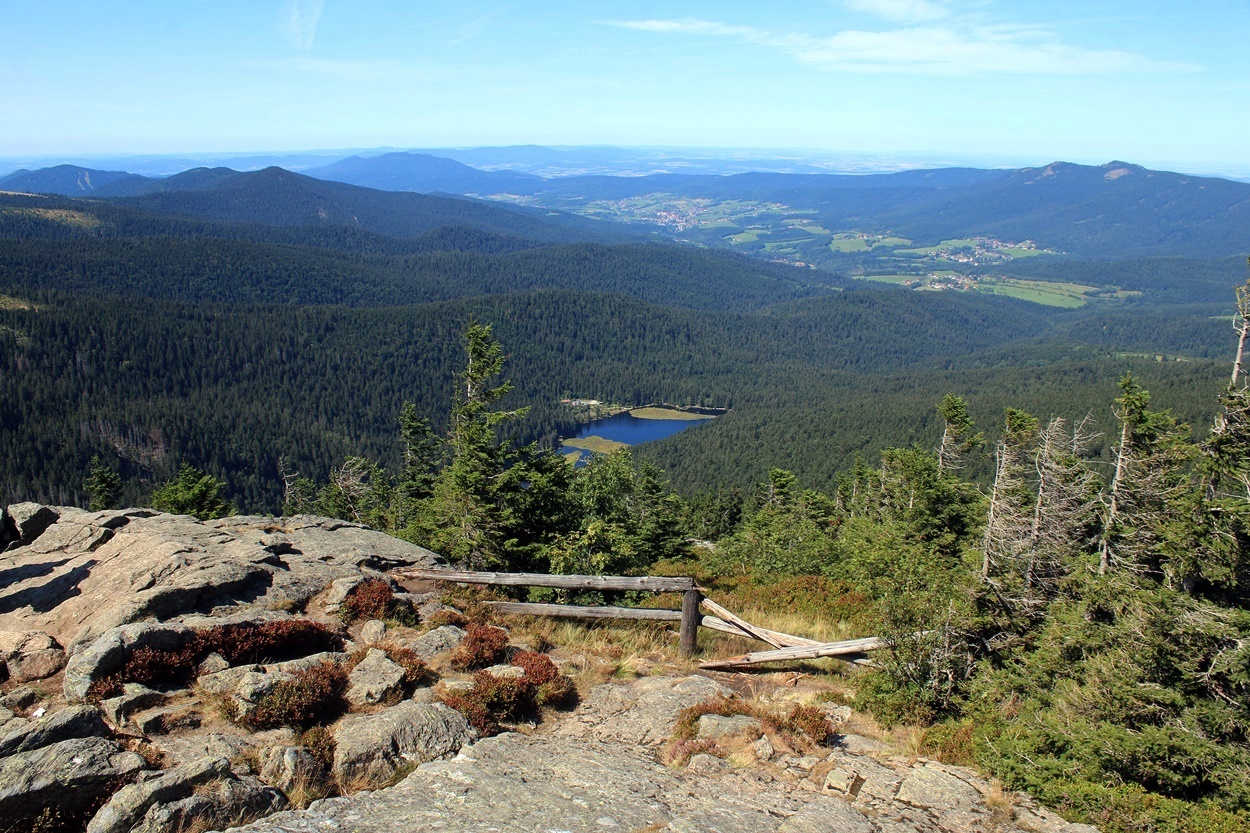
[662,584]
[746,627]
[586,612]
[827,649]
[788,640]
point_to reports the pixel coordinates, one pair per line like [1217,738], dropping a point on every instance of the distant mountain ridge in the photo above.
[423,172]
[1116,210]
[69,180]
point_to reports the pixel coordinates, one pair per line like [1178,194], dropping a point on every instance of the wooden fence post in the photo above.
[690,621]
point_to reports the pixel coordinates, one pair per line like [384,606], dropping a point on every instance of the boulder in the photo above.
[292,767]
[24,523]
[372,747]
[73,722]
[130,803]
[111,650]
[437,641]
[135,698]
[375,679]
[63,777]
[30,655]
[225,803]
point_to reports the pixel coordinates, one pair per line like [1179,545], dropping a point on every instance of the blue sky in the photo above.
[1163,84]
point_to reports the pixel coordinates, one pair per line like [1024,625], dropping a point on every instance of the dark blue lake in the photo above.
[629,429]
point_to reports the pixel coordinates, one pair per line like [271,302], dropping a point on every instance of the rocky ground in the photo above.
[83,595]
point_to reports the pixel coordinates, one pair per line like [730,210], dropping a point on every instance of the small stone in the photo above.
[506,672]
[705,764]
[20,698]
[373,632]
[68,724]
[212,664]
[437,641]
[165,720]
[807,762]
[116,709]
[289,766]
[717,726]
[843,782]
[129,804]
[340,589]
[457,686]
[375,679]
[374,746]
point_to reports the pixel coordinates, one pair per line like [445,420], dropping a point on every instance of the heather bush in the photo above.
[415,669]
[447,617]
[238,643]
[268,641]
[483,646]
[320,744]
[806,722]
[309,696]
[493,699]
[371,599]
[550,686]
[477,715]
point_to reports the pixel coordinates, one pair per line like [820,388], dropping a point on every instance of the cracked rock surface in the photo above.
[598,771]
[72,575]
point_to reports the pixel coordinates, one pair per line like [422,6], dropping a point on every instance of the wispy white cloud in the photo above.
[299,22]
[936,49]
[902,11]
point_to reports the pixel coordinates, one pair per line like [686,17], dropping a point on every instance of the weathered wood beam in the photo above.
[690,621]
[787,640]
[661,584]
[746,627]
[586,612]
[827,649]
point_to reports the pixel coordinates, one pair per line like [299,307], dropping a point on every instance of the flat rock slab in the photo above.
[642,711]
[74,574]
[374,746]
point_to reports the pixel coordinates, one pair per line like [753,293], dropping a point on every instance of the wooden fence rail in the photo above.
[787,646]
[688,615]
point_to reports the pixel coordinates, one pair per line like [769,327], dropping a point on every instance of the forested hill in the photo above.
[278,197]
[234,388]
[101,245]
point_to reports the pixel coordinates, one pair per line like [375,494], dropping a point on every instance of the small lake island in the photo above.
[630,427]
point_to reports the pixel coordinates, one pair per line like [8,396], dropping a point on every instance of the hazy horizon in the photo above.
[908,80]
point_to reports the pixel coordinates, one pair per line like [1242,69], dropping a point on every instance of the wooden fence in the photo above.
[786,646]
[688,615]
